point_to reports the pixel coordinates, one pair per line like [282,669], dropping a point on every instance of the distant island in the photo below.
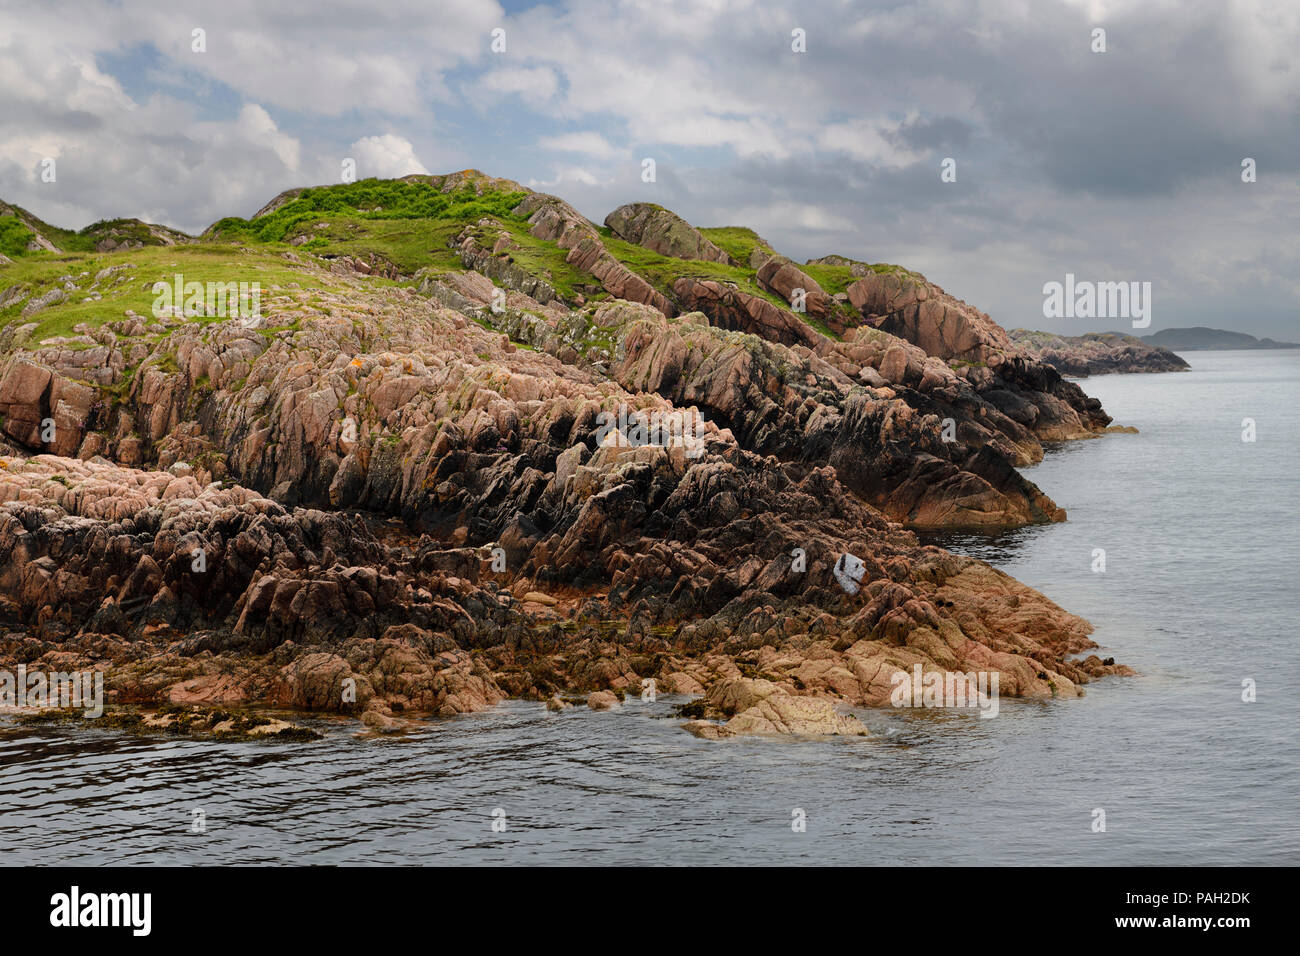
[1096,353]
[1199,337]
[1099,353]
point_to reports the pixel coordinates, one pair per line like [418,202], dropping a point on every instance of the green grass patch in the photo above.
[661,271]
[15,234]
[739,242]
[543,259]
[199,262]
[14,237]
[409,244]
[832,279]
[408,223]
[837,278]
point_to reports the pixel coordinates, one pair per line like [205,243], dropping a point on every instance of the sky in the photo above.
[1122,165]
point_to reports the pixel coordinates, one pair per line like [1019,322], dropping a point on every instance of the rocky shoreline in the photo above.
[1097,353]
[172,720]
[392,494]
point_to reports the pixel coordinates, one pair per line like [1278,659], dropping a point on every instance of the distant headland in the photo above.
[1199,337]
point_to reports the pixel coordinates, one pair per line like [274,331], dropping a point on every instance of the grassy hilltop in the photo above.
[404,226]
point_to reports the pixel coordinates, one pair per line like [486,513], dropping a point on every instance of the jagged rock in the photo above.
[759,707]
[782,277]
[664,232]
[784,714]
[14,294]
[1097,353]
[44,301]
[730,308]
[554,219]
[409,499]
[603,700]
[497,265]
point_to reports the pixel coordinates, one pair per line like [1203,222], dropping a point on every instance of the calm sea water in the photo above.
[1200,531]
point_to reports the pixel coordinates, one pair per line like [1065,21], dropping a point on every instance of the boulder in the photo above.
[664,232]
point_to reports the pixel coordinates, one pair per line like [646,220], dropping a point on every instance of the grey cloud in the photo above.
[941,132]
[1126,161]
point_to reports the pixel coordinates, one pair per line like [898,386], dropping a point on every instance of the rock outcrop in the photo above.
[187,592]
[782,277]
[728,307]
[762,708]
[664,232]
[1096,353]
[395,494]
[1031,392]
[555,220]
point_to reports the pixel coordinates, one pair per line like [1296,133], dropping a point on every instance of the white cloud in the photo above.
[535,84]
[865,140]
[387,157]
[256,124]
[328,59]
[568,176]
[833,150]
[587,143]
[803,217]
[156,160]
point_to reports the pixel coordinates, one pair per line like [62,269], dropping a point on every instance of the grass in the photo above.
[835,279]
[547,259]
[408,223]
[15,234]
[543,259]
[132,230]
[661,271]
[200,262]
[409,244]
[832,279]
[739,242]
[14,237]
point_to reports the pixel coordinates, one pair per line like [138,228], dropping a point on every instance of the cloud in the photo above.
[337,56]
[386,157]
[160,159]
[867,140]
[255,124]
[1124,163]
[534,85]
[587,143]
